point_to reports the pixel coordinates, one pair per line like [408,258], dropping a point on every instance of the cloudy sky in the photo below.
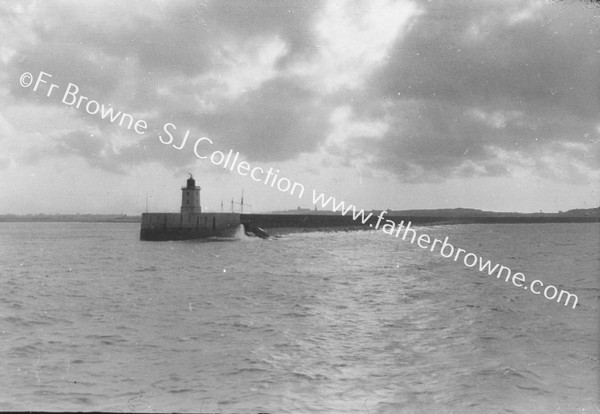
[384,104]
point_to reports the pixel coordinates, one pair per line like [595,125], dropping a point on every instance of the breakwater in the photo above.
[317,221]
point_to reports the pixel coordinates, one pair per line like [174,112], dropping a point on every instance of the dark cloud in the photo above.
[476,53]
[98,151]
[182,38]
[124,61]
[472,77]
[275,122]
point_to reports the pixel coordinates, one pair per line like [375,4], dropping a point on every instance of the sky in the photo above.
[493,105]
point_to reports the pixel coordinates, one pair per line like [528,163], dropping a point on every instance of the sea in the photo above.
[93,319]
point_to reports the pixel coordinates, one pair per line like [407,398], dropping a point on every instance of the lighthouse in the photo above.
[190,197]
[191,223]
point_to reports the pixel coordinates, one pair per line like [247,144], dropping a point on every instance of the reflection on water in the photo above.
[94,319]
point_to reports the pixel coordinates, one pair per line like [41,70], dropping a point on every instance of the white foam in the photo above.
[240,233]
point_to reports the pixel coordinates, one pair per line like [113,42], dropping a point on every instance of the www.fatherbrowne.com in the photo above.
[446,250]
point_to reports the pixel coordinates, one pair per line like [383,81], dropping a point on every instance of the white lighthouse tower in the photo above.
[190,197]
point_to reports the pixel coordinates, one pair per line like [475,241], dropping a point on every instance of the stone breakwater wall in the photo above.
[318,221]
[309,221]
[186,226]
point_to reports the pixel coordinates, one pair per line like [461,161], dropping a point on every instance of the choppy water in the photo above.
[91,318]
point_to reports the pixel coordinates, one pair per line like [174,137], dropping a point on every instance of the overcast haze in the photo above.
[384,104]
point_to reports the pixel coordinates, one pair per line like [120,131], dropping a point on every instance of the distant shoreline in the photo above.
[68,218]
[326,221]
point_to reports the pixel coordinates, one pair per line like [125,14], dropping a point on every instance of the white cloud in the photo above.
[352,39]
[245,65]
[497,119]
[525,11]
[347,126]
[496,16]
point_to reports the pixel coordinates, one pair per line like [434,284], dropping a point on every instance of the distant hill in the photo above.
[469,212]
[587,212]
[454,213]
[451,212]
